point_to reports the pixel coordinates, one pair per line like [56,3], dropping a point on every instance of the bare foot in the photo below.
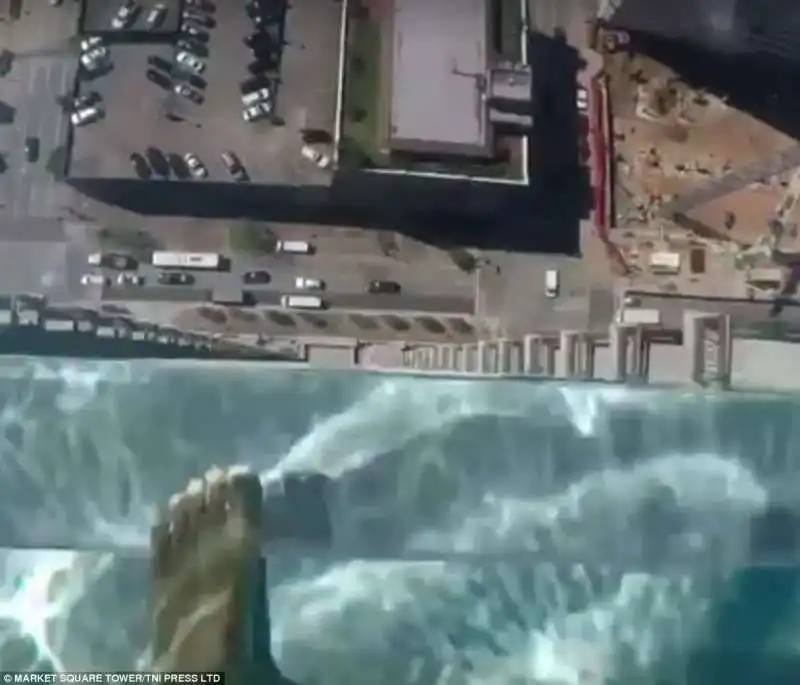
[205,554]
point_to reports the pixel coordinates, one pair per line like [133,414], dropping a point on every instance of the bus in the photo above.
[186,260]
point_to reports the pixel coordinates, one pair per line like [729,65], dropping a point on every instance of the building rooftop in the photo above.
[438,80]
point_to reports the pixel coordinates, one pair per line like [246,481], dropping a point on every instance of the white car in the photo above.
[85,116]
[90,42]
[315,156]
[94,279]
[95,259]
[304,283]
[91,59]
[196,168]
[263,94]
[582,99]
[130,279]
[156,15]
[258,111]
[190,62]
[124,16]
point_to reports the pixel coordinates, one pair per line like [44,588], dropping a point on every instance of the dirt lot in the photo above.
[670,140]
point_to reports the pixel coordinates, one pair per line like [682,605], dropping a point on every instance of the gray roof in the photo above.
[439,65]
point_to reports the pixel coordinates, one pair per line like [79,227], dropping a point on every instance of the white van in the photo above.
[551,284]
[294,246]
[302,302]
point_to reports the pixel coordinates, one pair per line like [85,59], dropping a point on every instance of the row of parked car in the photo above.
[155,163]
[258,91]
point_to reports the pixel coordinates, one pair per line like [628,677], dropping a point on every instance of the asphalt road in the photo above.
[425,287]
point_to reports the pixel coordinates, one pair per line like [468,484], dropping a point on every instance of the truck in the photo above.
[302,302]
[651,317]
[294,246]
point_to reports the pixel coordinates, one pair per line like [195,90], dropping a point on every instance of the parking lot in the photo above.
[43,67]
[140,114]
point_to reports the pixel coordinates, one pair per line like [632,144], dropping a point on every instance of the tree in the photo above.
[127,238]
[252,237]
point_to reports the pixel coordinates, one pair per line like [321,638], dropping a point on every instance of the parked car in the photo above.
[189,93]
[90,42]
[159,78]
[195,32]
[31,149]
[159,62]
[262,94]
[261,66]
[86,116]
[259,111]
[323,161]
[175,278]
[258,38]
[196,168]
[257,276]
[192,46]
[95,57]
[234,166]
[140,166]
[198,18]
[125,15]
[157,15]
[383,287]
[254,83]
[190,62]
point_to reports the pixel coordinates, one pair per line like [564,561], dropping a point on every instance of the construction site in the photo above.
[705,197]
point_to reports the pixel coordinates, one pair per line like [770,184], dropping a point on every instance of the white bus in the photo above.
[186,260]
[302,302]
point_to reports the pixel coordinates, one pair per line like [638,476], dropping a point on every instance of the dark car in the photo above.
[178,166]
[157,161]
[199,18]
[268,53]
[159,79]
[256,276]
[259,38]
[175,278]
[196,32]
[255,83]
[260,66]
[140,166]
[383,287]
[234,166]
[160,63]
[191,46]
[194,80]
[31,149]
